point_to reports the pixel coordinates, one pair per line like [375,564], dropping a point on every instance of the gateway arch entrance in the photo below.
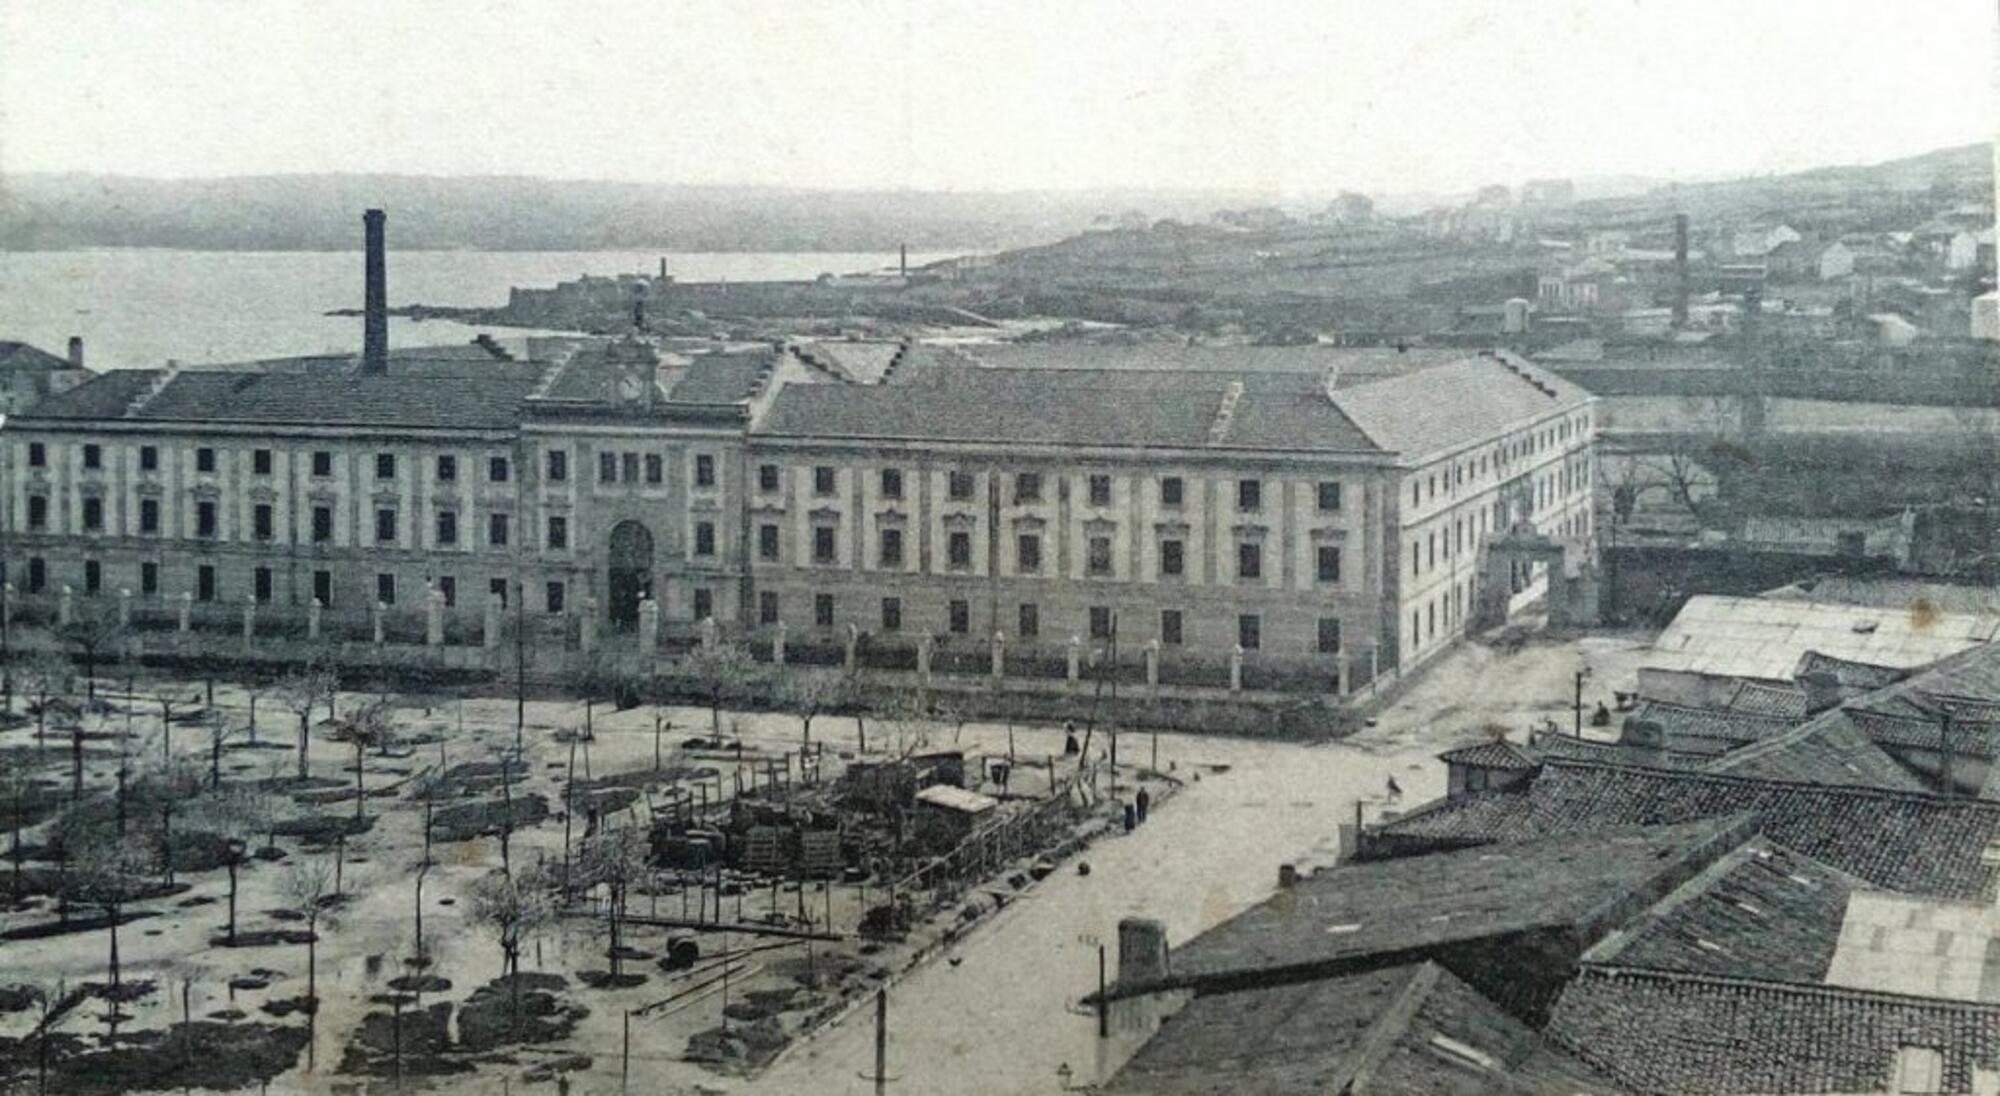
[630,553]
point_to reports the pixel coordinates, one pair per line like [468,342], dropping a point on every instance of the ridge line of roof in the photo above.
[1732,778]
[1389,1026]
[1815,989]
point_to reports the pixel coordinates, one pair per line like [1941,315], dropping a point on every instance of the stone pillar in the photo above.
[1236,669]
[489,632]
[249,620]
[433,615]
[1142,951]
[649,628]
[853,641]
[1374,668]
[187,610]
[924,646]
[65,605]
[778,645]
[1075,659]
[313,613]
[125,607]
[7,609]
[1153,663]
[709,633]
[1341,673]
[999,656]
[378,616]
[586,625]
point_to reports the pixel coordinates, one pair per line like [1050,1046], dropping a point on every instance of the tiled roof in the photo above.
[1450,405]
[1679,721]
[1847,672]
[1920,844]
[22,356]
[722,378]
[1683,753]
[1677,1033]
[1161,356]
[1968,739]
[451,396]
[1763,911]
[1827,749]
[1490,754]
[1761,698]
[1399,1030]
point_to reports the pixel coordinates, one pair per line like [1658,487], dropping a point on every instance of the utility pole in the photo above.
[1580,675]
[1944,742]
[1103,1004]
[881,1041]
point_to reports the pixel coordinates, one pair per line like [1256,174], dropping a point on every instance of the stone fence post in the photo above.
[778,645]
[186,621]
[586,625]
[313,613]
[489,633]
[1236,669]
[999,655]
[65,606]
[249,620]
[125,607]
[1341,672]
[924,646]
[1075,659]
[853,641]
[1153,662]
[378,616]
[433,615]
[710,634]
[649,628]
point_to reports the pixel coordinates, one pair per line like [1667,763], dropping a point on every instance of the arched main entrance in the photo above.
[631,571]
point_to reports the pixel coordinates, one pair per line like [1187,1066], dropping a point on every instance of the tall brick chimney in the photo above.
[1680,269]
[375,301]
[76,351]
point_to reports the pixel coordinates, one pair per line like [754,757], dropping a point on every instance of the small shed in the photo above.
[945,815]
[1485,765]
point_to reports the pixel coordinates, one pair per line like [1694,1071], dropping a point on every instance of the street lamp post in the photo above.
[1580,675]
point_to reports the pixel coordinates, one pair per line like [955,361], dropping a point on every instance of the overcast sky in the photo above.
[1306,97]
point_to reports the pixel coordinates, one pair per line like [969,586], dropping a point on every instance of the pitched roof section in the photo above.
[1765,639]
[1681,721]
[23,357]
[1447,406]
[1412,1029]
[1920,844]
[451,395]
[1492,754]
[1828,749]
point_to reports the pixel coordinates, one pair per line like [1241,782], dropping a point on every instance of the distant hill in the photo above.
[505,213]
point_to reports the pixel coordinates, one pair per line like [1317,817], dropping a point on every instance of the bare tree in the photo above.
[810,693]
[615,859]
[238,814]
[91,632]
[299,693]
[45,677]
[20,794]
[513,908]
[108,873]
[307,885]
[368,725]
[719,673]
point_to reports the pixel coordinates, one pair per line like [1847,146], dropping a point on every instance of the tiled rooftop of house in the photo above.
[1491,754]
[1829,749]
[1916,843]
[1681,721]
[1765,639]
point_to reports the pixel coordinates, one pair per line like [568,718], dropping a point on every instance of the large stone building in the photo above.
[1331,510]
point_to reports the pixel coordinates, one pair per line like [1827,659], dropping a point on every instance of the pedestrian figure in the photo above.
[1131,818]
[1144,799]
[1395,789]
[1601,717]
[1070,746]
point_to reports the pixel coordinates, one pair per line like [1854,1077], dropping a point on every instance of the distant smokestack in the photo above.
[1680,269]
[375,302]
[76,351]
[903,259]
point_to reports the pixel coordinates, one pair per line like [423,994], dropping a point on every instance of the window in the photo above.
[1173,561]
[1329,635]
[38,511]
[558,533]
[1100,555]
[447,467]
[447,527]
[1249,560]
[1028,487]
[448,587]
[204,518]
[607,468]
[496,530]
[149,515]
[204,582]
[322,463]
[1249,631]
[149,458]
[204,459]
[558,465]
[1919,1070]
[93,576]
[1432,554]
[656,469]
[149,578]
[93,514]
[959,616]
[892,614]
[1031,621]
[385,466]
[892,483]
[323,588]
[958,550]
[767,542]
[261,523]
[496,590]
[322,524]
[629,463]
[1100,622]
[1329,563]
[93,456]
[38,455]
[260,585]
[1100,490]
[891,554]
[960,486]
[1171,489]
[767,607]
[704,603]
[553,597]
[1416,492]
[1329,496]
[497,469]
[260,462]
[1028,553]
[1249,494]
[1170,627]
[767,478]
[385,526]
[823,610]
[704,538]
[823,551]
[822,480]
[385,589]
[38,575]
[704,470]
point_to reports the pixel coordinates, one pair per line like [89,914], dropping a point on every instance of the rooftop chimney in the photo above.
[76,351]
[375,303]
[1680,269]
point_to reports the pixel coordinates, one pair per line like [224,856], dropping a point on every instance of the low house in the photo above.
[945,815]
